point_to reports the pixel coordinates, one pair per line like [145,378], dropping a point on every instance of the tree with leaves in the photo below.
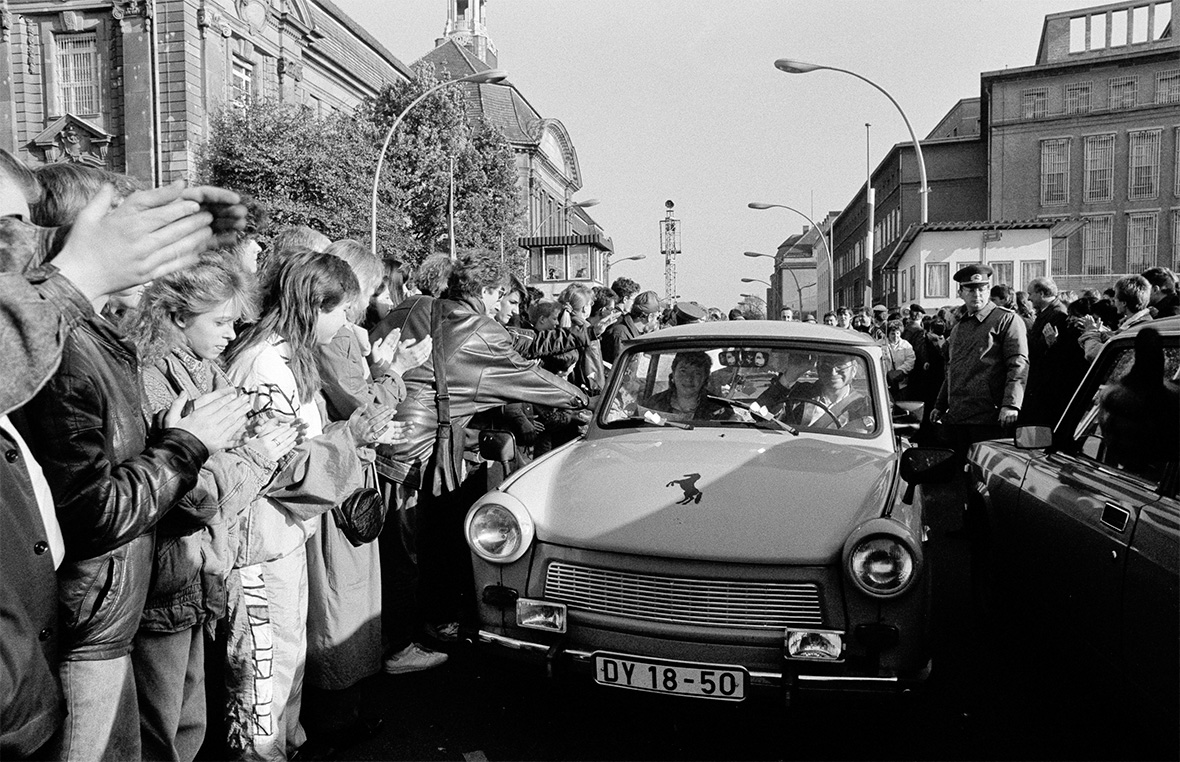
[316,170]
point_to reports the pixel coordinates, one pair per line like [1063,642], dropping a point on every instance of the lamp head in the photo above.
[749,280]
[795,67]
[584,204]
[759,205]
[755,254]
[489,76]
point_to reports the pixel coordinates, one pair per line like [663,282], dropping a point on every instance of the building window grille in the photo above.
[1077,98]
[1143,165]
[242,83]
[1099,158]
[1097,245]
[1167,86]
[1176,239]
[1060,255]
[938,278]
[1141,241]
[1055,172]
[1030,271]
[1034,103]
[77,73]
[1123,92]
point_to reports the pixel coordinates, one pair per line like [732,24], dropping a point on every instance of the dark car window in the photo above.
[1097,438]
[808,388]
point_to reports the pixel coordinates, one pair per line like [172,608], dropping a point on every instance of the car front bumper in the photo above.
[558,659]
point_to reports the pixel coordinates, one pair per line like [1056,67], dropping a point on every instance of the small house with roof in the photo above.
[563,243]
[927,256]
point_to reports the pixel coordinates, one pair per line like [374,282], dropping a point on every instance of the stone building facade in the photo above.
[564,243]
[1091,134]
[132,84]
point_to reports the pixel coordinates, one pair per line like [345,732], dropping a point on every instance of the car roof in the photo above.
[1169,326]
[729,330]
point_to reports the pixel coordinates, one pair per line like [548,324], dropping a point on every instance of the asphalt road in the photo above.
[985,700]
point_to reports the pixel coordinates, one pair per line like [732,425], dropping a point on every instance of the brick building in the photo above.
[956,170]
[1089,133]
[131,84]
[563,242]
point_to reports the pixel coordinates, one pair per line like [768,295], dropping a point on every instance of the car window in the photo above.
[1119,443]
[810,389]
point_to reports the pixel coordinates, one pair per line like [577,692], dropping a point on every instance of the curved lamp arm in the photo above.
[491,75]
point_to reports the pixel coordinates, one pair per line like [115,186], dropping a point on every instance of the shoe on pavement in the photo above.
[413,658]
[446,633]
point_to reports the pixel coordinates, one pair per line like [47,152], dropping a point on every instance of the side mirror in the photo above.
[497,446]
[926,465]
[1034,437]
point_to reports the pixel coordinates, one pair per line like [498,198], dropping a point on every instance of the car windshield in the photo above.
[807,388]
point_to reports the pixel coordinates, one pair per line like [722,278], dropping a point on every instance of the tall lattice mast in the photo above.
[670,247]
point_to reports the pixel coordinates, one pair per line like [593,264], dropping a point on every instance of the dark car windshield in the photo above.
[808,388]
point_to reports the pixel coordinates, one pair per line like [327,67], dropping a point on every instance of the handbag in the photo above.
[361,516]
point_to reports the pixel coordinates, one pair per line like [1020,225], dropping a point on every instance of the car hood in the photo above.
[709,494]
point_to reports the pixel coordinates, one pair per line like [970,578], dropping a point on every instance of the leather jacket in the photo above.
[483,371]
[86,430]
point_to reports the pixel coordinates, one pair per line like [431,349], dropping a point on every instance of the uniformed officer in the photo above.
[987,366]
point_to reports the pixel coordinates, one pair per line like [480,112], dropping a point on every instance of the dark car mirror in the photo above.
[497,446]
[1034,437]
[926,465]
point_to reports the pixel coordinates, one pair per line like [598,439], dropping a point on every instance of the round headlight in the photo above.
[882,565]
[499,533]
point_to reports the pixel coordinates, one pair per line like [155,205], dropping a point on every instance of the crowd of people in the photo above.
[235,477]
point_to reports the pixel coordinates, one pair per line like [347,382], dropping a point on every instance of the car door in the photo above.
[1077,516]
[1151,605]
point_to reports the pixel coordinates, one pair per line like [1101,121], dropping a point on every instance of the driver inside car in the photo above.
[687,398]
[827,402]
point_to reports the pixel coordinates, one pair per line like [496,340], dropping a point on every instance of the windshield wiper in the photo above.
[651,418]
[759,412]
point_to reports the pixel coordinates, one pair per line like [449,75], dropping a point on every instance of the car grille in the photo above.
[714,603]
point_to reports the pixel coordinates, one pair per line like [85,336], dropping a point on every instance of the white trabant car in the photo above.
[735,517]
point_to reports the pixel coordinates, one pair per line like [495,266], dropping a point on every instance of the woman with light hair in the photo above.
[183,326]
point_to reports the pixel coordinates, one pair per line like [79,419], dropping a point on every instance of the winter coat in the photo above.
[318,474]
[197,543]
[344,581]
[482,372]
[111,485]
[38,312]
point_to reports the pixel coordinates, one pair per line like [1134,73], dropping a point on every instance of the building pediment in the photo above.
[73,139]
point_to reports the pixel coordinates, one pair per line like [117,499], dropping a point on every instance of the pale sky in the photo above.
[680,100]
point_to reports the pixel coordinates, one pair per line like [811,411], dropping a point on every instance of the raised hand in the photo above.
[274,440]
[152,233]
[218,418]
[383,352]
[368,423]
[411,353]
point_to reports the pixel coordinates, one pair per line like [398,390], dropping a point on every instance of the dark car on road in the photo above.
[1078,530]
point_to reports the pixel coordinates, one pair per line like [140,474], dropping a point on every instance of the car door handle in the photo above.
[1115,516]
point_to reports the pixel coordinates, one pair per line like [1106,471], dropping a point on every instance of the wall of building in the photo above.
[1061,130]
[1023,253]
[163,68]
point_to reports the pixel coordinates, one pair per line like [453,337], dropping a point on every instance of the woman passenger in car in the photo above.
[828,402]
[687,397]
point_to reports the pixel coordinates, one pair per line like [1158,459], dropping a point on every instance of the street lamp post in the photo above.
[799,67]
[825,241]
[610,264]
[491,75]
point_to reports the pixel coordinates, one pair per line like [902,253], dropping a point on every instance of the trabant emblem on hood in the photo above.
[689,485]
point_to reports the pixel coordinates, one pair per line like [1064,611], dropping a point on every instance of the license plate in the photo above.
[712,681]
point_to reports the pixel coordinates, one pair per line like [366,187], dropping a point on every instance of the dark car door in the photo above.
[1151,605]
[1085,522]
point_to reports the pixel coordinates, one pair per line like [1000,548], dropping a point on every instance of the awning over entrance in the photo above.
[596,240]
